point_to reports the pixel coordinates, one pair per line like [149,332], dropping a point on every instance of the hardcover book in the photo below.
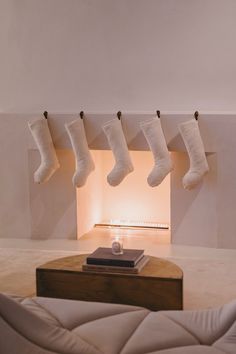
[115,269]
[104,256]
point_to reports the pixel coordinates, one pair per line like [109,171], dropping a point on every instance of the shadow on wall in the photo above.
[194,210]
[53,204]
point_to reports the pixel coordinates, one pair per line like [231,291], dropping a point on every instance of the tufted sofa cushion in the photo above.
[55,326]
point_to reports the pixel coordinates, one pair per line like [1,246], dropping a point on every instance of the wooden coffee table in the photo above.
[159,286]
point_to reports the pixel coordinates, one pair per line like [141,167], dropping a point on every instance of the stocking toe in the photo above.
[117,175]
[191,179]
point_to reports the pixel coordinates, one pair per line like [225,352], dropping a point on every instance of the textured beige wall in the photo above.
[205,216]
[105,55]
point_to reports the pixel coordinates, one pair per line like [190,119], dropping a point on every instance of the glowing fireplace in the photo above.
[204,216]
[132,204]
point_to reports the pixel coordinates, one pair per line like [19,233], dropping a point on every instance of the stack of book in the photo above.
[102,260]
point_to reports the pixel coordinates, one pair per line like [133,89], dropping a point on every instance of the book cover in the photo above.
[104,256]
[115,269]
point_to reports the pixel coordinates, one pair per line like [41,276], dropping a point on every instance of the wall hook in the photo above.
[196,114]
[45,113]
[81,114]
[158,114]
[119,115]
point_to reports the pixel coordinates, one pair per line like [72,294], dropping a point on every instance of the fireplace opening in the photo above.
[133,204]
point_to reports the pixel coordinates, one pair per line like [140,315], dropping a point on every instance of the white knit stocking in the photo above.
[153,133]
[198,163]
[118,145]
[49,162]
[83,158]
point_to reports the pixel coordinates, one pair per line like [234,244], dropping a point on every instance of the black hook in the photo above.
[196,114]
[81,114]
[45,113]
[158,114]
[119,115]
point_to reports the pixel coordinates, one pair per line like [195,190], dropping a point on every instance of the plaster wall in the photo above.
[108,55]
[204,216]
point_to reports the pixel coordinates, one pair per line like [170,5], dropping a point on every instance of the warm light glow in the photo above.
[132,204]
[134,199]
[132,224]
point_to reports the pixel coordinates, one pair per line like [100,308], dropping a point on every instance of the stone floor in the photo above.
[209,274]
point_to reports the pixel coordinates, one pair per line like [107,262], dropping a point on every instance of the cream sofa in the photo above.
[53,326]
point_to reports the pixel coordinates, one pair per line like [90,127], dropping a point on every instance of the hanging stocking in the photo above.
[49,162]
[153,133]
[83,158]
[198,163]
[118,145]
